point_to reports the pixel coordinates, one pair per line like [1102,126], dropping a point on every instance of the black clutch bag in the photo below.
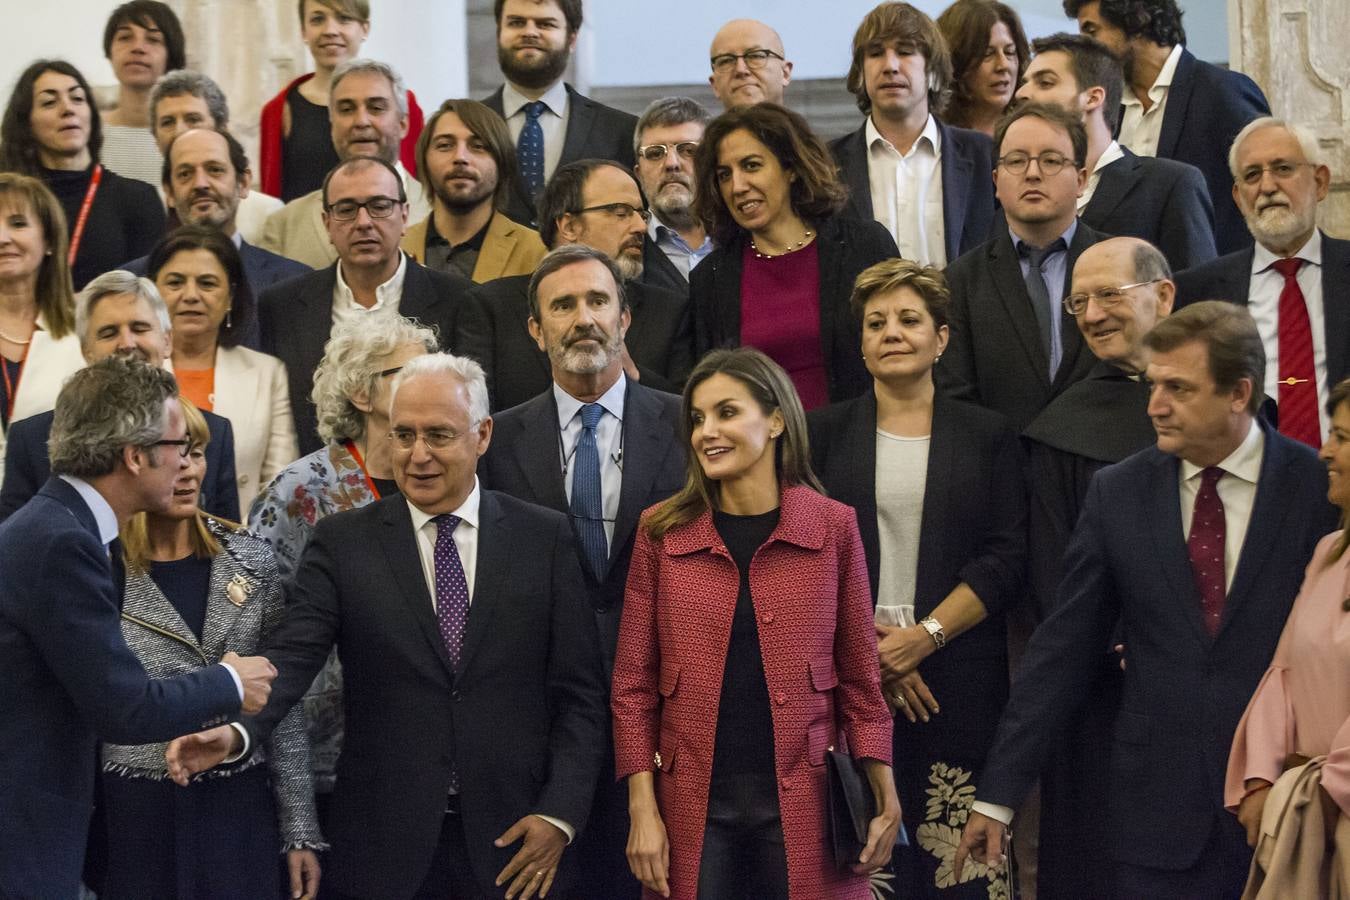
[851,808]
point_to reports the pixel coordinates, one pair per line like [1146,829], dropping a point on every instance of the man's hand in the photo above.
[193,753]
[303,866]
[985,839]
[1250,809]
[535,864]
[256,674]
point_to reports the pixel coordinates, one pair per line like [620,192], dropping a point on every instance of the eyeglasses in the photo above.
[1282,171]
[378,207]
[657,152]
[385,373]
[620,211]
[435,439]
[754,59]
[184,446]
[1049,162]
[1076,304]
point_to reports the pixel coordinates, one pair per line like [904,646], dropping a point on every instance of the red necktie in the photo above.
[1206,546]
[1298,379]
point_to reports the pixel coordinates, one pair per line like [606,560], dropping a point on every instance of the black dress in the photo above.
[125,220]
[307,153]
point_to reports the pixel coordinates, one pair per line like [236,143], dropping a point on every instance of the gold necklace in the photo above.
[789,249]
[16,340]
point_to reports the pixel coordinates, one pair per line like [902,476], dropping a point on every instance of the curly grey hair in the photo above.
[462,367]
[396,85]
[349,366]
[117,402]
[118,281]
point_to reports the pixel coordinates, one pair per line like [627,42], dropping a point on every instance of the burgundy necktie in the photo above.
[1298,379]
[1206,547]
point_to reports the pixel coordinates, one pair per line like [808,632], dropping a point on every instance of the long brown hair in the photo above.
[966,25]
[1340,394]
[55,293]
[772,389]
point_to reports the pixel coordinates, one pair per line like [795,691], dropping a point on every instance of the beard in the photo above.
[630,267]
[1280,226]
[571,358]
[675,208]
[464,202]
[534,75]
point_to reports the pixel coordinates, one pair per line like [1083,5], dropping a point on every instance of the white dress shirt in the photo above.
[907,192]
[1140,130]
[553,120]
[1263,301]
[608,441]
[387,296]
[1111,154]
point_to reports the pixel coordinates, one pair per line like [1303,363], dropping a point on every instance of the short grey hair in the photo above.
[349,366]
[186,81]
[462,367]
[669,111]
[118,281]
[567,255]
[117,402]
[396,85]
[1307,140]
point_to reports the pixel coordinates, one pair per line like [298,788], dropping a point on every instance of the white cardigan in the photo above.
[50,362]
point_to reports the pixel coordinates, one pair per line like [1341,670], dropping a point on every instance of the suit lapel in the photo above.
[860,469]
[400,548]
[856,172]
[237,391]
[1170,542]
[943,446]
[493,102]
[1335,305]
[498,246]
[149,605]
[315,316]
[1012,291]
[957,172]
[1114,183]
[644,446]
[1071,338]
[1267,522]
[494,560]
[221,613]
[536,452]
[417,294]
[1178,99]
[580,118]
[727,295]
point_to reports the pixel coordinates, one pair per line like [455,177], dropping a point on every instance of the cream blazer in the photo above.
[50,362]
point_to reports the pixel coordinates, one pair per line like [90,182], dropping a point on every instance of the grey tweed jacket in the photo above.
[245,604]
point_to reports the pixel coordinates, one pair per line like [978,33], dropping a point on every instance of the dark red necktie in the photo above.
[1298,379]
[1206,545]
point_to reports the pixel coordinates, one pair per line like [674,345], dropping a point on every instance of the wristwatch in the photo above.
[934,629]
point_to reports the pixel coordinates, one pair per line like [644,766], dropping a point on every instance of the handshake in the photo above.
[255,674]
[193,753]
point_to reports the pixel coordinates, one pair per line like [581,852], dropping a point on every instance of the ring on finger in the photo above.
[900,698]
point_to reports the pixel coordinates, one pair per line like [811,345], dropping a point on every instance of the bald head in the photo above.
[742,82]
[1115,321]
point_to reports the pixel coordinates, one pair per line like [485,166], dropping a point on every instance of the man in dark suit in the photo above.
[116,314]
[578,316]
[365,213]
[597,203]
[1013,348]
[1197,548]
[550,122]
[473,692]
[1175,106]
[920,178]
[67,678]
[667,137]
[1305,323]
[1161,201]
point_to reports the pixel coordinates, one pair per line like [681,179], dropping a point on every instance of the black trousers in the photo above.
[743,854]
[450,876]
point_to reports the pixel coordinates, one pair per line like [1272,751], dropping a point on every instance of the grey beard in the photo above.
[679,216]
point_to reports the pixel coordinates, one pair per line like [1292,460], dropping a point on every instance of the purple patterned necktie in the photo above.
[1209,535]
[452,588]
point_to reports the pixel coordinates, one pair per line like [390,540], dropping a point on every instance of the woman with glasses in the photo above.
[199,587]
[989,54]
[779,280]
[938,487]
[201,278]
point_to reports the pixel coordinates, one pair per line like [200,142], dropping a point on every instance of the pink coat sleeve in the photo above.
[637,664]
[1263,737]
[863,713]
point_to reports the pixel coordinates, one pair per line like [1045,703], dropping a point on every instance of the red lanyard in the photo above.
[78,233]
[12,388]
[356,455]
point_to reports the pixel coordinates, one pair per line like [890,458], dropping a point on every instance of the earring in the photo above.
[229,320]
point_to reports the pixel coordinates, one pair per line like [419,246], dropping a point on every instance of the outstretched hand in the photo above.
[193,753]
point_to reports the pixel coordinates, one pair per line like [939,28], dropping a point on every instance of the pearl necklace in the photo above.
[789,249]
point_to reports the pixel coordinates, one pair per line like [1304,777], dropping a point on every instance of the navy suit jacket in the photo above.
[1184,691]
[967,183]
[27,467]
[594,131]
[523,461]
[67,679]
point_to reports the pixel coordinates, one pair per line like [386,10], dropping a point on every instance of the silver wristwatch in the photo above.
[934,629]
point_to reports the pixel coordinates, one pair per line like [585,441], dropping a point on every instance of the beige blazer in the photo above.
[296,230]
[1292,858]
[50,362]
[509,248]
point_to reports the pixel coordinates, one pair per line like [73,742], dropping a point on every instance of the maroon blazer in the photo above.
[811,596]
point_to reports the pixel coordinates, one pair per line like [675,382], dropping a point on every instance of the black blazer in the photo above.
[967,183]
[994,356]
[1162,201]
[659,272]
[296,318]
[1184,691]
[1230,277]
[27,466]
[523,461]
[846,246]
[658,339]
[1206,107]
[594,131]
[68,679]
[521,720]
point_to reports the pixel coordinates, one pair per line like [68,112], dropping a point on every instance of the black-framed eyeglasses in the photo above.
[1049,162]
[378,207]
[754,59]
[385,373]
[1282,170]
[1107,297]
[184,446]
[657,152]
[620,211]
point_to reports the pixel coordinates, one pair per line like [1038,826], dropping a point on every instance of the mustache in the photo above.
[587,333]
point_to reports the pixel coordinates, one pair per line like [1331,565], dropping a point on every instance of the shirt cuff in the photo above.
[238,684]
[998,813]
[243,753]
[559,824]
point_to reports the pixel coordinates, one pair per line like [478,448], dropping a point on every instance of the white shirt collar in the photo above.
[1244,462]
[555,98]
[1311,253]
[104,516]
[1111,154]
[611,400]
[1160,84]
[930,133]
[467,511]
[391,288]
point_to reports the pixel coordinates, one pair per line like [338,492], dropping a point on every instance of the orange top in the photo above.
[197,385]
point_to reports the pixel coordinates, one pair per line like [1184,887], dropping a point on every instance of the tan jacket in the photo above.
[1292,857]
[509,248]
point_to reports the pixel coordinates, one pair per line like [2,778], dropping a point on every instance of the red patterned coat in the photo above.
[809,587]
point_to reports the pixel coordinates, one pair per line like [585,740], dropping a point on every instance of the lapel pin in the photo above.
[238,590]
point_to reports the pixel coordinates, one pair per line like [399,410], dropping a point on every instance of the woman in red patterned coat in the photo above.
[746,651]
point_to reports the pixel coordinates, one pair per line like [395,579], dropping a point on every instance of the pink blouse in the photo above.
[1302,704]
